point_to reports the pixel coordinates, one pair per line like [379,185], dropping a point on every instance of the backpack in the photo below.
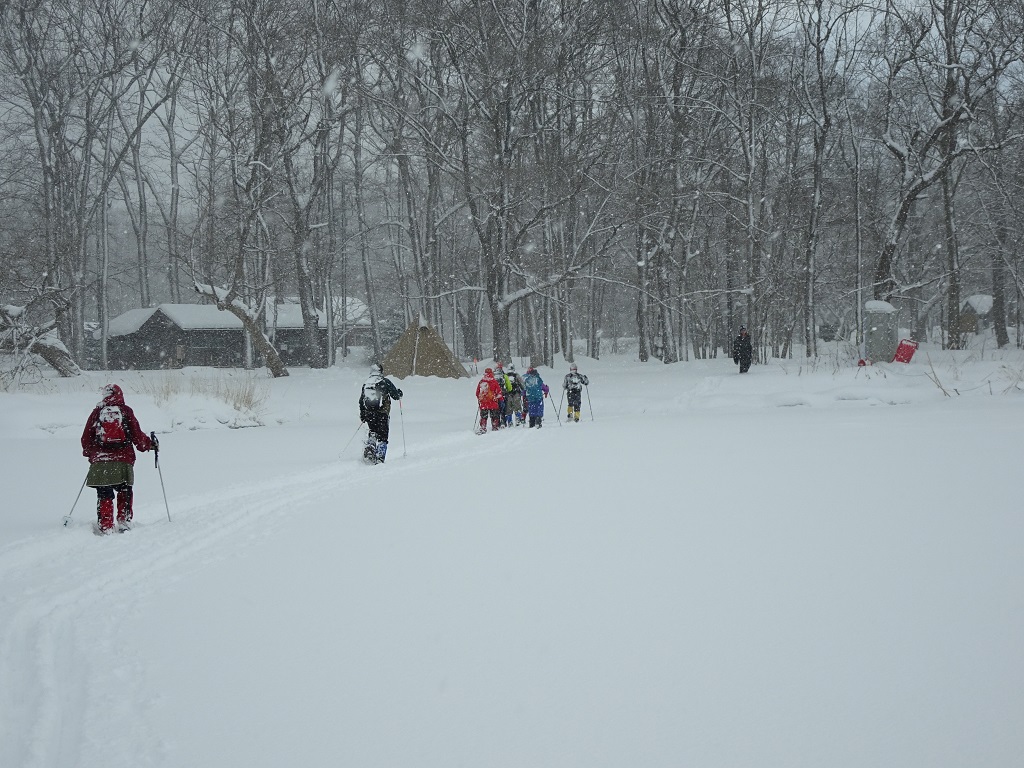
[534,386]
[110,428]
[505,381]
[373,394]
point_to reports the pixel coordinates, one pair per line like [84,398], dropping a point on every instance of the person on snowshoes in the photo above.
[573,384]
[742,350]
[536,391]
[514,398]
[489,398]
[111,435]
[505,382]
[375,411]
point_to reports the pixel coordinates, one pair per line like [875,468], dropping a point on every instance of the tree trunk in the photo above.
[502,347]
[364,245]
[259,341]
[50,349]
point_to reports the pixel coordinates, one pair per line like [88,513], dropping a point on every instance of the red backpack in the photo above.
[110,428]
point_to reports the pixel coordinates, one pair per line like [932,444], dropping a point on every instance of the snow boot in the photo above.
[382,450]
[370,450]
[104,515]
[124,509]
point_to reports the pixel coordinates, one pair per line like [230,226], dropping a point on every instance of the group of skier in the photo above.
[506,399]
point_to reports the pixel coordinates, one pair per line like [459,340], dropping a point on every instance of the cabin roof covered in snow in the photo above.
[200,317]
[290,316]
[206,317]
[981,303]
[289,312]
[882,307]
[188,317]
[128,322]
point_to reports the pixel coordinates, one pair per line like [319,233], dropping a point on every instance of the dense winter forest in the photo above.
[522,174]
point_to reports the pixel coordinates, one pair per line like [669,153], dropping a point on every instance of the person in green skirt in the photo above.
[109,440]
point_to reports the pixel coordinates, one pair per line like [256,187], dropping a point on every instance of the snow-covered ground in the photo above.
[802,566]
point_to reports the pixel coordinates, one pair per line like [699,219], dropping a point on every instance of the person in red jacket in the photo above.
[489,396]
[109,440]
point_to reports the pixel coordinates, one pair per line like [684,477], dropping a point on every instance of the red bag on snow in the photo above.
[904,351]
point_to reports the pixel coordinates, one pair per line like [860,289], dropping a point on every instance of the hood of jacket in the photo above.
[112,395]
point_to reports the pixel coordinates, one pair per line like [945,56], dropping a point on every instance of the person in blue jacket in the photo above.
[536,391]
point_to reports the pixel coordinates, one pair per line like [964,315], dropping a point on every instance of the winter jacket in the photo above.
[113,401]
[535,386]
[385,390]
[504,381]
[488,392]
[742,349]
[574,381]
[535,391]
[515,397]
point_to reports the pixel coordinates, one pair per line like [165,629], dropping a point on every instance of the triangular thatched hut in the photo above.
[421,351]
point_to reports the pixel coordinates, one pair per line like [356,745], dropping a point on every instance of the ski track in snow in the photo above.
[65,595]
[103,578]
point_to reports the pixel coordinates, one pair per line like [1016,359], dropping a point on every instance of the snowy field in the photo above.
[796,567]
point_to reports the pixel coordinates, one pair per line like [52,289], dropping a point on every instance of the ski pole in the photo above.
[67,517]
[559,408]
[401,413]
[476,420]
[361,423]
[160,472]
[587,387]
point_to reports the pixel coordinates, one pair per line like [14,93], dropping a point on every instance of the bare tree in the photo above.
[941,69]
[73,66]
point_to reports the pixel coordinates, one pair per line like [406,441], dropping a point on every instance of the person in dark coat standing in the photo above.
[111,435]
[375,411]
[742,350]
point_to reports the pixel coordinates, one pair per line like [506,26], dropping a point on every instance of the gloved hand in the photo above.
[154,441]
[736,360]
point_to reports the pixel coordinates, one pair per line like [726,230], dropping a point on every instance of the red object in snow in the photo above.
[905,351]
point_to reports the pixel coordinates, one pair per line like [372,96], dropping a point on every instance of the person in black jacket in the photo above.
[742,350]
[573,384]
[375,411]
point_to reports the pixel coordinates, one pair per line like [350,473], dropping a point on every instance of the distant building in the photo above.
[975,313]
[284,326]
[177,335]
